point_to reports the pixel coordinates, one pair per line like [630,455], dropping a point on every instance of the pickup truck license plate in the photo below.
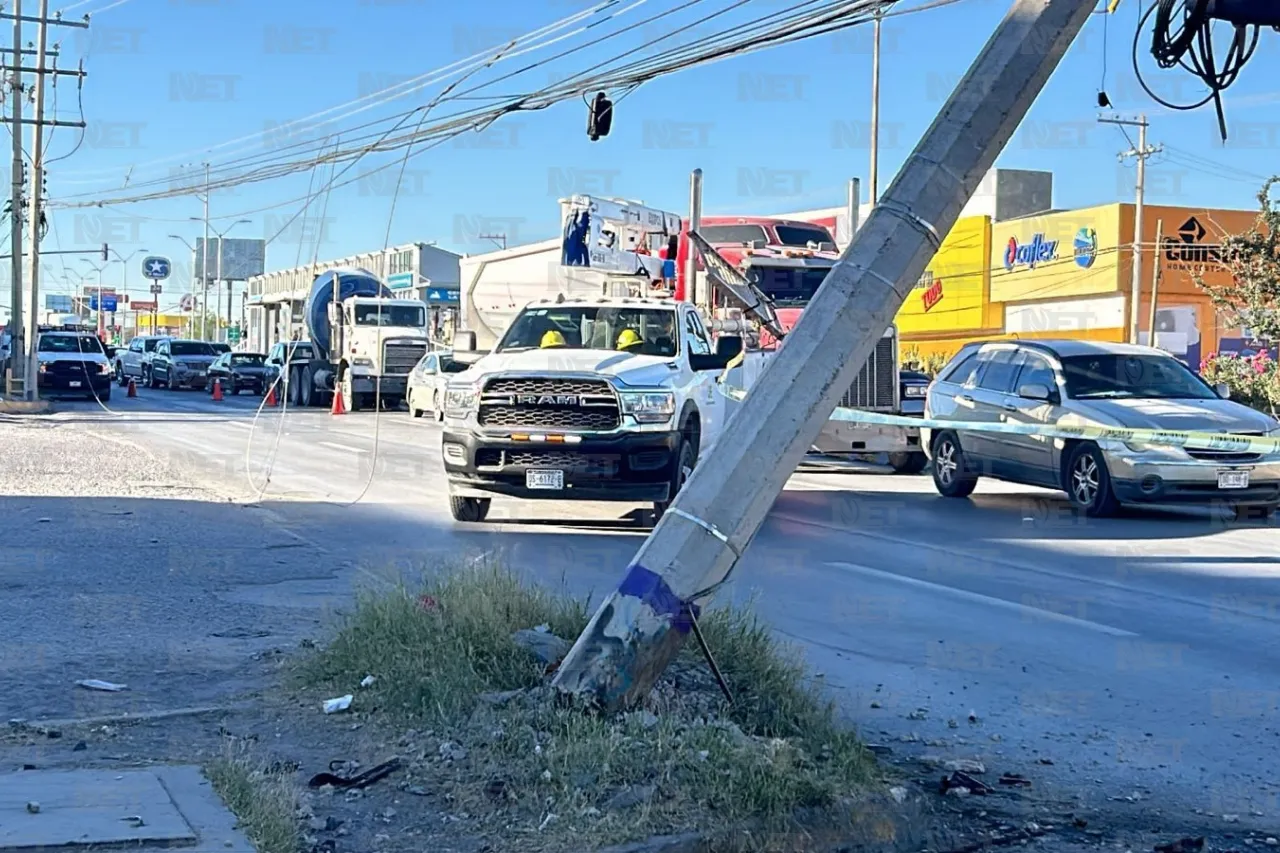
[1233,479]
[544,479]
[74,384]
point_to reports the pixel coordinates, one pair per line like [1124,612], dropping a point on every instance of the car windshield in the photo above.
[1100,377]
[190,348]
[247,360]
[795,235]
[70,343]
[595,327]
[448,365]
[414,316]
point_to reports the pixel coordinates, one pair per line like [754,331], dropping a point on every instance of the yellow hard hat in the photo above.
[552,339]
[629,338]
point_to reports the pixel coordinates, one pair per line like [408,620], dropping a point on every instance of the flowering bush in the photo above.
[1254,380]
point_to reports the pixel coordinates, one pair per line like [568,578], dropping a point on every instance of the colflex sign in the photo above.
[1038,251]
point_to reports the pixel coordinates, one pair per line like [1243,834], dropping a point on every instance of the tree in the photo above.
[1252,298]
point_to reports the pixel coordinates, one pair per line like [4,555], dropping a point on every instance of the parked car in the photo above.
[298,352]
[239,371]
[180,363]
[1089,383]
[427,381]
[133,361]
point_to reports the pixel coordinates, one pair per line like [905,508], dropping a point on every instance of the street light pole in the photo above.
[873,176]
[191,325]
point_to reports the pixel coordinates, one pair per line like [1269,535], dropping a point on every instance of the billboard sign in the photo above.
[61,303]
[241,259]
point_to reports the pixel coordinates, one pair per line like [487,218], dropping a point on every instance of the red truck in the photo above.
[787,260]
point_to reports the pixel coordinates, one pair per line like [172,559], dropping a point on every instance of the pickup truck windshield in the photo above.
[788,287]
[1153,377]
[595,327]
[190,348]
[391,315]
[71,343]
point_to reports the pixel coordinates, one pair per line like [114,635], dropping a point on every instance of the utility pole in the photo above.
[641,626]
[695,223]
[17,348]
[873,176]
[1142,152]
[500,239]
[1155,282]
[23,361]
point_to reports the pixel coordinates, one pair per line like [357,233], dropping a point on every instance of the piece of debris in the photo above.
[427,602]
[367,681]
[80,747]
[1014,779]
[450,751]
[966,765]
[363,780]
[33,807]
[1272,841]
[919,714]
[104,686]
[952,724]
[876,705]
[1231,818]
[52,734]
[958,791]
[960,779]
[334,706]
[1048,761]
[545,646]
[1182,845]
[241,634]
[134,821]
[899,794]
[631,797]
[974,719]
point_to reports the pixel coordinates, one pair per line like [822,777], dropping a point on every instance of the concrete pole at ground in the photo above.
[32,389]
[691,293]
[641,626]
[17,344]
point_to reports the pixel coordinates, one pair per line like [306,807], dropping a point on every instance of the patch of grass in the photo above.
[264,803]
[539,773]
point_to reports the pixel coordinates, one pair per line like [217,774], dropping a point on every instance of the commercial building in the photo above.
[415,271]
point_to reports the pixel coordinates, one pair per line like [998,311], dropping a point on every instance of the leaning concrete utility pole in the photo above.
[640,627]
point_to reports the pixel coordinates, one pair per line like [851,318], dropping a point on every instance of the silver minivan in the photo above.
[1090,383]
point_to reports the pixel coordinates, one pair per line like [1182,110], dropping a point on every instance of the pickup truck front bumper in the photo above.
[630,467]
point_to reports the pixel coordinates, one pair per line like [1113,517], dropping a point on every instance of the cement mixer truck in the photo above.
[364,343]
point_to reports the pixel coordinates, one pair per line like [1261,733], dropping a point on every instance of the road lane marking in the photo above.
[978,598]
[345,448]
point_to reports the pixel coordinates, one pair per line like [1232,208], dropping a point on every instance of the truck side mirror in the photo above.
[728,346]
[464,341]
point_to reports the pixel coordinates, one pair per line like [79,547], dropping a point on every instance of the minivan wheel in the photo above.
[950,476]
[1089,482]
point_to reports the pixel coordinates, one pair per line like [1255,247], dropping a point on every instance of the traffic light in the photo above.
[105,257]
[601,117]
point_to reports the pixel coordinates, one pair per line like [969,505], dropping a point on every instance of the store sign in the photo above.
[1085,247]
[1037,251]
[440,295]
[400,280]
[932,296]
[1190,249]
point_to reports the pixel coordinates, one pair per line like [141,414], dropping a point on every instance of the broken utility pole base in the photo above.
[641,626]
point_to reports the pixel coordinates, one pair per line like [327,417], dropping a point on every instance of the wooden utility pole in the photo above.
[22,355]
[641,626]
[1155,282]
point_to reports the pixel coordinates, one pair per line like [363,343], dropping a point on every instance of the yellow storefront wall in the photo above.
[951,301]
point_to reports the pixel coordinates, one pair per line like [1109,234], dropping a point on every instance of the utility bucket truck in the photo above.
[593,392]
[365,342]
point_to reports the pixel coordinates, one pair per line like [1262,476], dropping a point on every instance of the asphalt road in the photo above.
[1126,660]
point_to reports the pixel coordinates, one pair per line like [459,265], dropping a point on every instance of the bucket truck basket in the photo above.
[614,238]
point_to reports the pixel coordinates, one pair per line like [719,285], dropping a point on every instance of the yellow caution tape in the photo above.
[1152,437]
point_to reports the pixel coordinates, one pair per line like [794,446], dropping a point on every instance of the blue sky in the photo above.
[776,130]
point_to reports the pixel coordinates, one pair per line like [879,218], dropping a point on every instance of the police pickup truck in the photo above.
[72,362]
[610,399]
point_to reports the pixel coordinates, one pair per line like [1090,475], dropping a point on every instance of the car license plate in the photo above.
[544,479]
[74,384]
[1233,479]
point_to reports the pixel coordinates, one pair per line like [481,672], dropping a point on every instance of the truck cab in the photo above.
[384,340]
[608,399]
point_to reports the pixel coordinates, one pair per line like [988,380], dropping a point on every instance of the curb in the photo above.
[24,407]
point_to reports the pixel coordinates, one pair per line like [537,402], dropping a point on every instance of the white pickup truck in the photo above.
[608,399]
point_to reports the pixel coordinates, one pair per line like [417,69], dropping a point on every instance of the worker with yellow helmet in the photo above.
[628,340]
[552,340]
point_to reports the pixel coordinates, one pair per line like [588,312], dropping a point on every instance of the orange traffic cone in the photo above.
[339,408]
[133,389]
[217,390]
[271,396]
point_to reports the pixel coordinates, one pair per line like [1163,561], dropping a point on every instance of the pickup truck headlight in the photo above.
[915,390]
[461,399]
[104,368]
[649,407]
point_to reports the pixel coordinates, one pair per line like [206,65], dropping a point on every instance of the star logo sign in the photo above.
[155,268]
